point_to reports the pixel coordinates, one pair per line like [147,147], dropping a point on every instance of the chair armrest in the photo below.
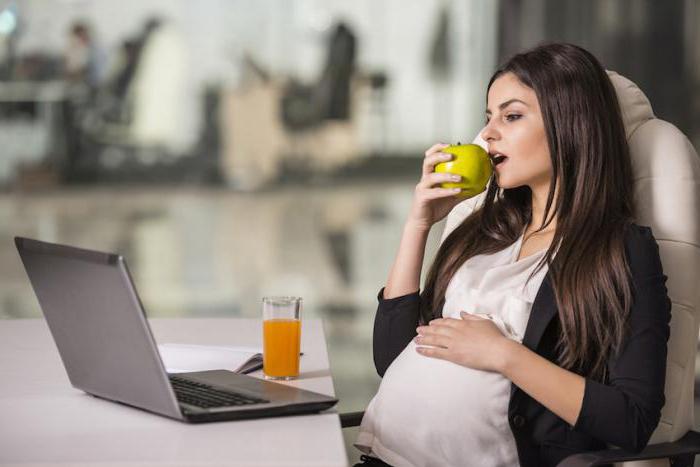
[350,419]
[685,448]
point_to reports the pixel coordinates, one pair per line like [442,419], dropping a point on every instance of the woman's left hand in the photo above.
[472,341]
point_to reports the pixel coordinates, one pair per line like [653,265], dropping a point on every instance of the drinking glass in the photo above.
[281,337]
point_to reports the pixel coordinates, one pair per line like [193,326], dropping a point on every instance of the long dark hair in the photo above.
[594,206]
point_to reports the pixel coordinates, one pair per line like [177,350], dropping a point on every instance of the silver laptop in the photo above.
[102,334]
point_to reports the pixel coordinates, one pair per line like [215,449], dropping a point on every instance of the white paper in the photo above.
[180,358]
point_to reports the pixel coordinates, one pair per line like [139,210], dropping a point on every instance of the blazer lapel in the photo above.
[544,308]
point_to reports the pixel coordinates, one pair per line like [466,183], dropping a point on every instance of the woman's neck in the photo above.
[539,203]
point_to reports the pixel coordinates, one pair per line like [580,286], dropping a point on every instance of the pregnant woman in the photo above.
[542,327]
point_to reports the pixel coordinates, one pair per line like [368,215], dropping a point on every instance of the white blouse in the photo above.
[431,412]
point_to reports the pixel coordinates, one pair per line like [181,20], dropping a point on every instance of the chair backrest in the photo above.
[667,190]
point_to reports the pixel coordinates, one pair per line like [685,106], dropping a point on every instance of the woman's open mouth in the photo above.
[498,159]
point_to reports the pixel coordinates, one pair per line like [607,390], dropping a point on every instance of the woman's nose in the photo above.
[488,133]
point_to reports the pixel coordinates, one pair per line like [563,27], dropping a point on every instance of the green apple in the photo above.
[470,161]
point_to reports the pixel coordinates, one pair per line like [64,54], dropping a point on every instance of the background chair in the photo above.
[667,190]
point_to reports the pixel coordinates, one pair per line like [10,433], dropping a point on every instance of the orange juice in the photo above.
[281,340]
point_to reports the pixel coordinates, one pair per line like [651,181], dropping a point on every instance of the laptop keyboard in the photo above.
[206,396]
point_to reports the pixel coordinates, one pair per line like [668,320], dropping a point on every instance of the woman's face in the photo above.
[515,129]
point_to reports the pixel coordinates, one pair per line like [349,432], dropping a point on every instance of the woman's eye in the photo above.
[513,117]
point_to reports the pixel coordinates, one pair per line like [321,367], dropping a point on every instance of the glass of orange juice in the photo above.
[281,337]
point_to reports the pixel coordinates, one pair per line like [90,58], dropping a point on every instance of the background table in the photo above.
[45,421]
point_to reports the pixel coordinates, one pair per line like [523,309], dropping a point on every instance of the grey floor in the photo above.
[200,252]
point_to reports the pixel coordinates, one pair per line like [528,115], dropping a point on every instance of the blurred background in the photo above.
[232,149]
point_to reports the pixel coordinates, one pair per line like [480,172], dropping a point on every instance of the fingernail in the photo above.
[456,190]
[456,178]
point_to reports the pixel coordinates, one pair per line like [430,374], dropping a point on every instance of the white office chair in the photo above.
[667,189]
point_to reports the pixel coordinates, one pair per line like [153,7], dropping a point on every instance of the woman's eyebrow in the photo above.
[506,104]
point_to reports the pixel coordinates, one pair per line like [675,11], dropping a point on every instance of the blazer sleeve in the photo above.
[394,326]
[625,411]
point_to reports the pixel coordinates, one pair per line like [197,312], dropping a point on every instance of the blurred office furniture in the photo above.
[32,113]
[377,114]
[251,134]
[141,117]
[329,98]
[257,148]
[47,422]
[321,113]
[272,125]
[158,92]
[667,187]
[151,87]
[440,66]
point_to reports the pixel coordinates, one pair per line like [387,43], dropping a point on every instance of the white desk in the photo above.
[45,421]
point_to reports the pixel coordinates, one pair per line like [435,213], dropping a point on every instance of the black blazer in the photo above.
[624,411]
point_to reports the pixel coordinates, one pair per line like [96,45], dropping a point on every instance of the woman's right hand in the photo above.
[431,203]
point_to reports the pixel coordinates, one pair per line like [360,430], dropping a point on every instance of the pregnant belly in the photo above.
[424,404]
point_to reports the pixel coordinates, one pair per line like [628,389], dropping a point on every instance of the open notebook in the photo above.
[181,358]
